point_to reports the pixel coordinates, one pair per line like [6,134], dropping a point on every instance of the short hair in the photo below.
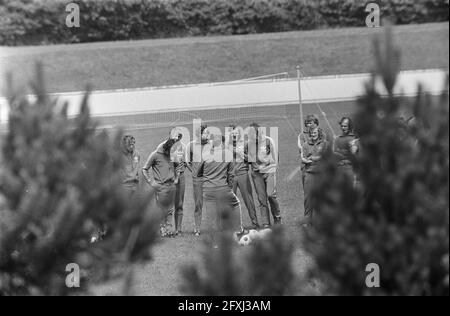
[201,130]
[255,125]
[311,118]
[128,137]
[175,129]
[350,122]
[320,130]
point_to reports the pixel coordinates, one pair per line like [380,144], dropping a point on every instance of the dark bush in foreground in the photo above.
[264,269]
[398,215]
[60,182]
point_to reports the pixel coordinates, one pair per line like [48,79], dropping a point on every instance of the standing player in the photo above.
[193,159]
[346,147]
[314,150]
[221,204]
[162,179]
[311,121]
[263,156]
[131,168]
[129,173]
[236,144]
[177,156]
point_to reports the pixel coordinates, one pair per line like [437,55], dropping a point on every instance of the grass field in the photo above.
[210,59]
[193,60]
[162,276]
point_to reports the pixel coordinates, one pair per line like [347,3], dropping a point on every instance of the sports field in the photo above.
[177,61]
[162,275]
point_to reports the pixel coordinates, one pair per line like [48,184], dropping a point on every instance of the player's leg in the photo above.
[245,187]
[198,201]
[210,221]
[179,201]
[309,208]
[261,192]
[303,175]
[227,212]
[165,197]
[272,195]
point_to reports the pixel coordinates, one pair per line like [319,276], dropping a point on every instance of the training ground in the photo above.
[320,56]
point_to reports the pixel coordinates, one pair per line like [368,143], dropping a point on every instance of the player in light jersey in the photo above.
[236,144]
[263,156]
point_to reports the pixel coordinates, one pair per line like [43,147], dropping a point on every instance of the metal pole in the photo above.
[300,104]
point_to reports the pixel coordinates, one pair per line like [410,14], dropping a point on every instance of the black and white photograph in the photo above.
[224,153]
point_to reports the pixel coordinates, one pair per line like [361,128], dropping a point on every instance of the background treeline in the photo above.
[27,22]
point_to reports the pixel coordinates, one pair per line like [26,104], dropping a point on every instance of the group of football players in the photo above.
[222,165]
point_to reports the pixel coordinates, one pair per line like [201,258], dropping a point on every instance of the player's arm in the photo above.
[189,157]
[138,167]
[148,165]
[230,174]
[336,151]
[274,152]
[354,146]
[200,170]
[300,142]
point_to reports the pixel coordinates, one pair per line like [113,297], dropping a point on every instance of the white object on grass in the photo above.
[253,234]
[264,233]
[245,240]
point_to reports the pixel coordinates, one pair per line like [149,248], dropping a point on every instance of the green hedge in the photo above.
[43,21]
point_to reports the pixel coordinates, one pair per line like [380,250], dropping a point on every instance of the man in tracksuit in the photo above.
[241,181]
[346,147]
[311,122]
[129,173]
[193,160]
[177,156]
[163,181]
[131,167]
[314,151]
[263,156]
[221,204]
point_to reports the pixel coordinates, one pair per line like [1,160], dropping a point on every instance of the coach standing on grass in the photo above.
[177,156]
[163,181]
[221,204]
[314,151]
[346,147]
[131,167]
[236,145]
[263,157]
[193,159]
[311,122]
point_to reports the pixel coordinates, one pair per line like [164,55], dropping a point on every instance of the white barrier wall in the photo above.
[240,94]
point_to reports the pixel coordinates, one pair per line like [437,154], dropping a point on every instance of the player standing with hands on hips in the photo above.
[160,173]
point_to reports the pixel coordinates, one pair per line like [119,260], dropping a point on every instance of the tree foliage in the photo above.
[398,214]
[60,182]
[25,22]
[264,269]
